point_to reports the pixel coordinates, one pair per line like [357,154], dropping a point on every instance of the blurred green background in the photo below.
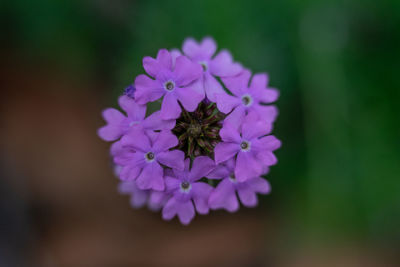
[334,62]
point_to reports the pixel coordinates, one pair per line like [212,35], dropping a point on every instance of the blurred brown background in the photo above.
[335,198]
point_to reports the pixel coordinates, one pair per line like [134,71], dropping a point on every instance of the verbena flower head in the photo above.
[209,142]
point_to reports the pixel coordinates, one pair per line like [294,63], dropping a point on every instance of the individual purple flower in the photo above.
[185,187]
[118,124]
[143,155]
[224,195]
[221,65]
[176,82]
[251,144]
[248,97]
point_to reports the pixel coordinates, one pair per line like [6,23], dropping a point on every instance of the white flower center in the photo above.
[245,146]
[133,123]
[247,100]
[149,156]
[204,64]
[232,178]
[185,187]
[169,85]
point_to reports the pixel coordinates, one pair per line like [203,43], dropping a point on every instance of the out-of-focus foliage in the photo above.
[335,62]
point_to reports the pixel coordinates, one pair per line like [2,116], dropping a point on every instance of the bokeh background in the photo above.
[336,189]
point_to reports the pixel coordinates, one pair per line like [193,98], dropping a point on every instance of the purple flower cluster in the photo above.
[210,142]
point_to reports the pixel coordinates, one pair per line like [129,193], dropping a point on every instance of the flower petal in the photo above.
[259,80]
[154,122]
[267,158]
[117,170]
[151,66]
[268,142]
[224,151]
[236,117]
[175,53]
[126,187]
[230,134]
[197,86]
[182,175]
[125,156]
[169,211]
[201,167]
[208,47]
[222,65]
[164,141]
[139,198]
[201,192]
[171,184]
[259,185]
[247,166]
[191,48]
[259,88]
[116,148]
[147,89]
[247,196]
[110,132]
[226,103]
[212,87]
[189,98]
[137,139]
[266,113]
[199,51]
[163,61]
[164,58]
[113,116]
[220,172]
[238,84]
[129,173]
[224,197]
[230,164]
[170,108]
[135,111]
[269,95]
[186,71]
[251,130]
[151,177]
[156,200]
[184,210]
[173,159]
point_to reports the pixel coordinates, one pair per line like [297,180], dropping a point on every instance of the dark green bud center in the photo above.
[194,129]
[198,131]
